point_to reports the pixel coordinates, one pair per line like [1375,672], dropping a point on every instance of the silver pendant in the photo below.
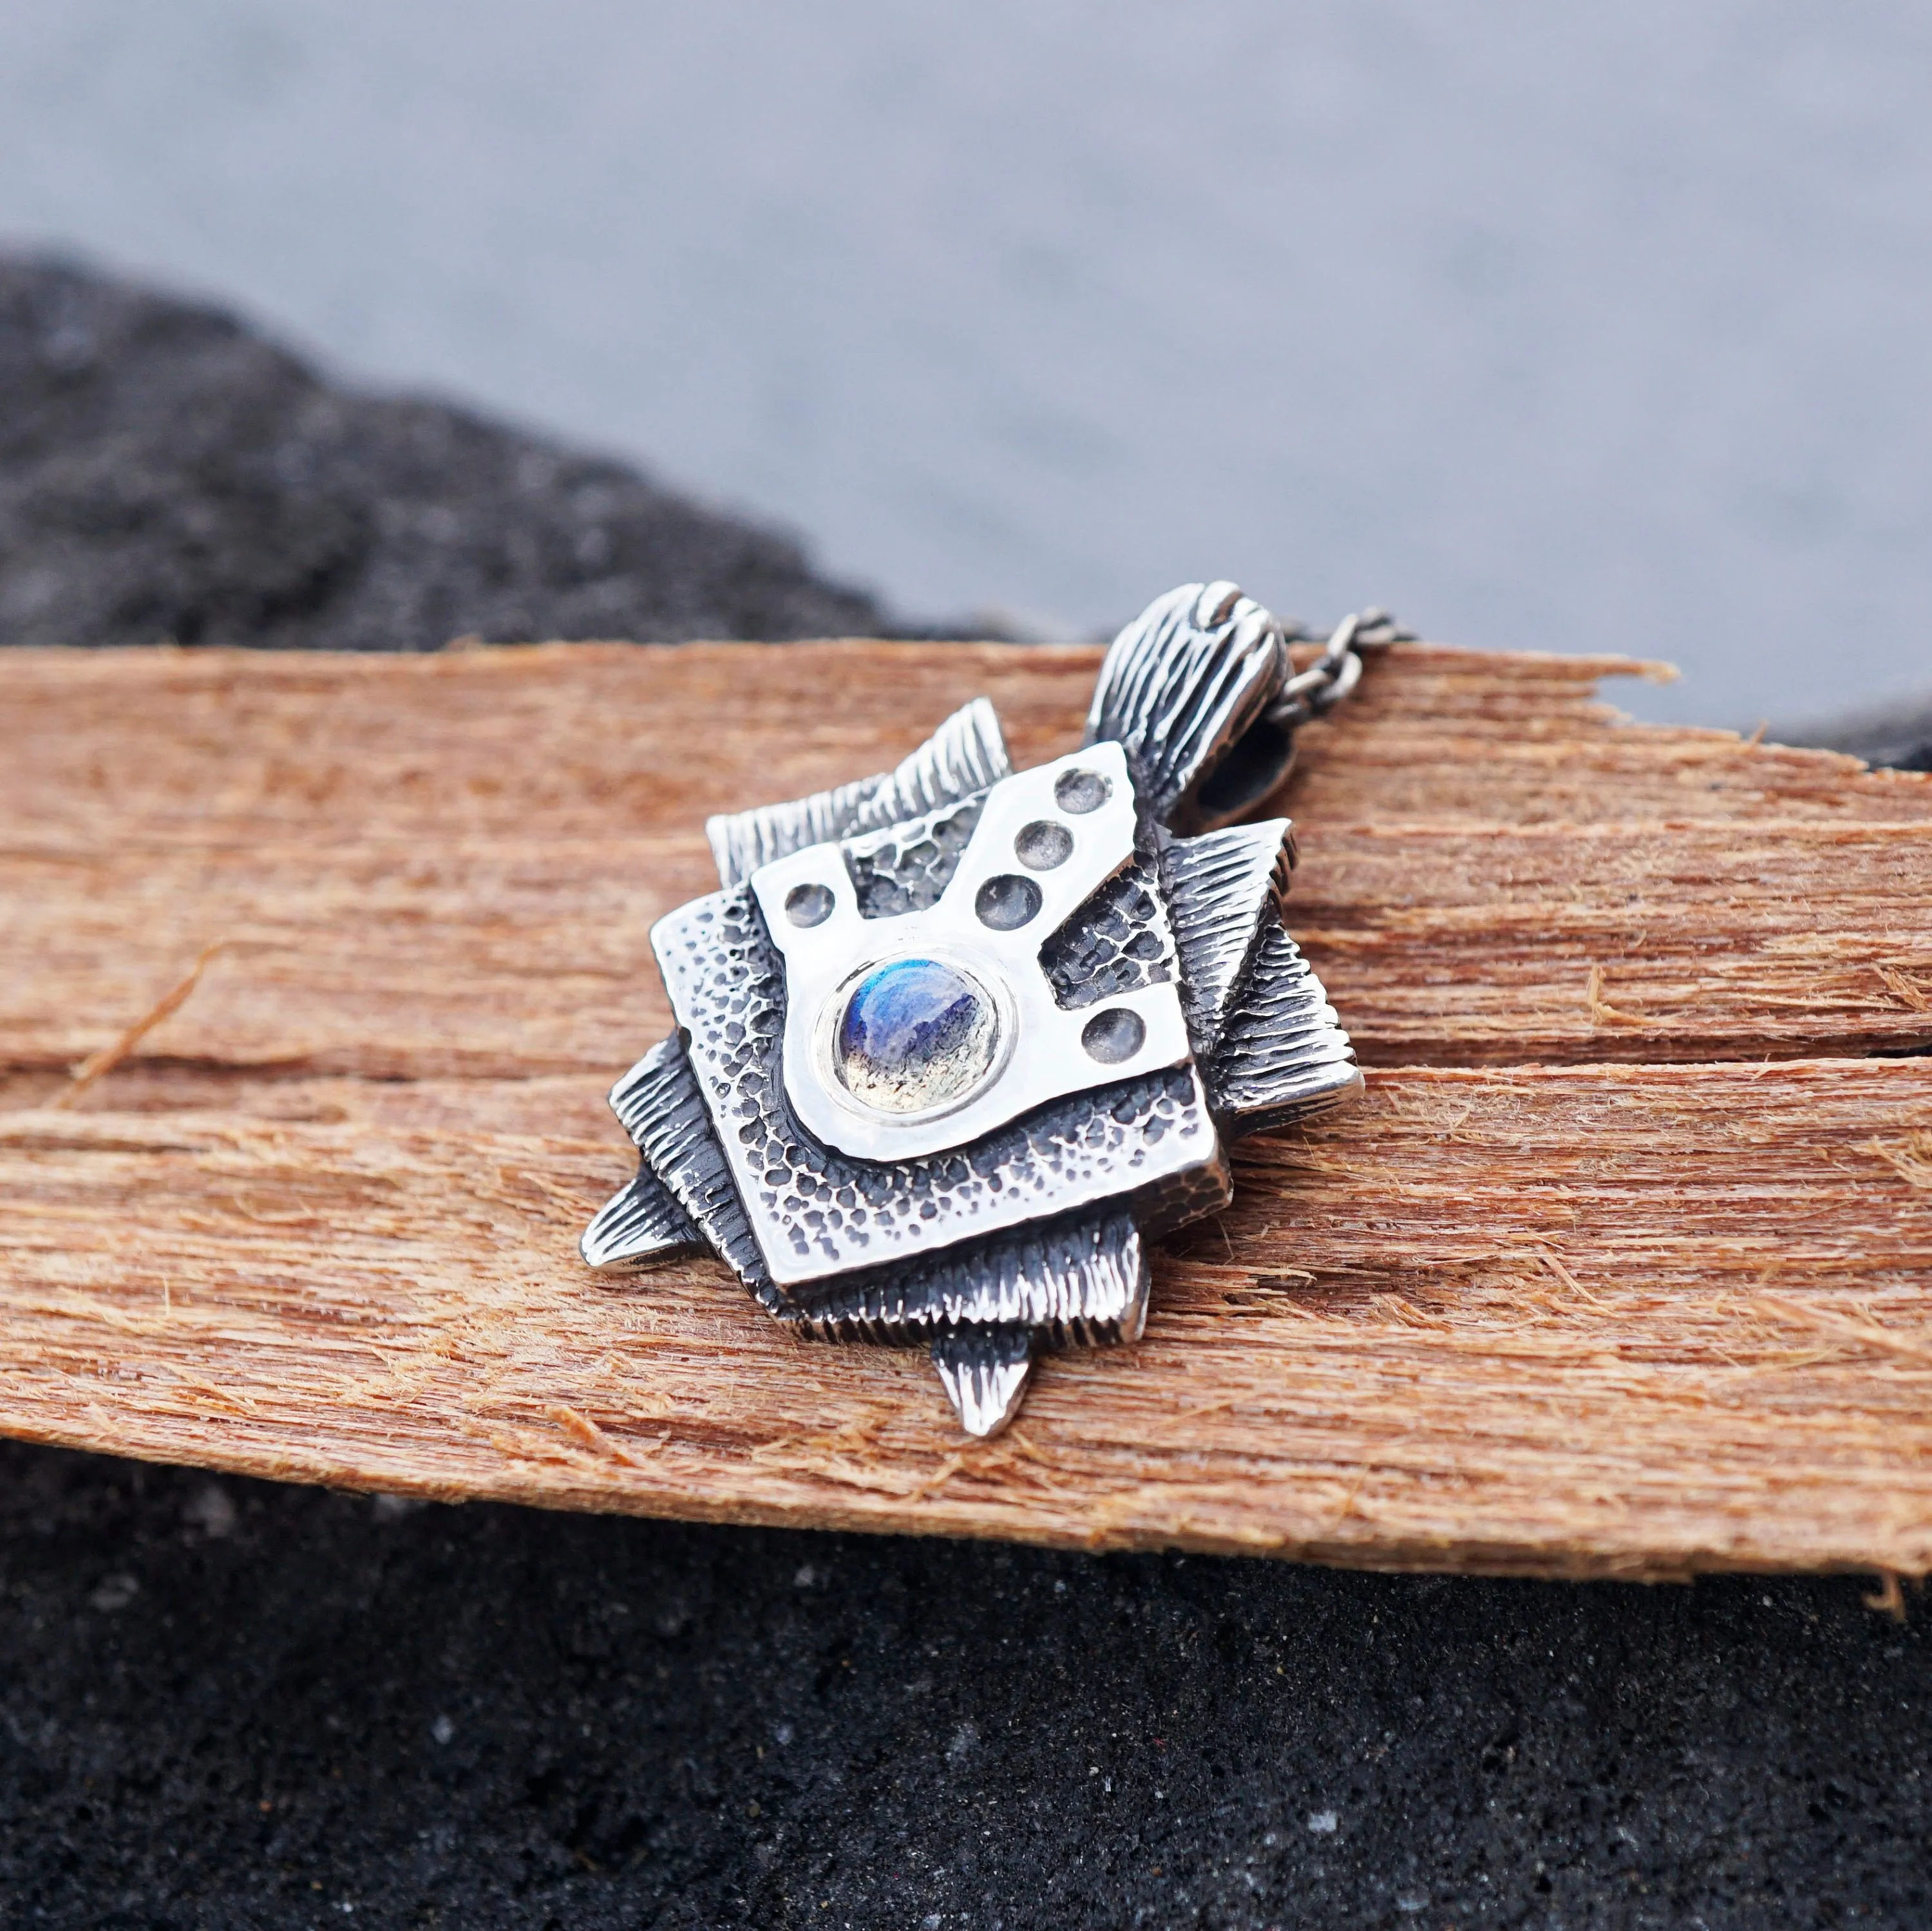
[955,1042]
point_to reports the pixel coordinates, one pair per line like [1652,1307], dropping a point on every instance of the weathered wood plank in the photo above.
[1605,1320]
[418,867]
[1582,1317]
[1442,944]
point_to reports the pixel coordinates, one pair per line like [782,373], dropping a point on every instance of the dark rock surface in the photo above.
[1898,735]
[166,473]
[231,1704]
[228,1704]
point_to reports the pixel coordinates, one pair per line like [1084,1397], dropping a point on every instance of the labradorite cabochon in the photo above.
[915,1034]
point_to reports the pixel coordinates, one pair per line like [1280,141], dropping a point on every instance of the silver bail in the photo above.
[1185,689]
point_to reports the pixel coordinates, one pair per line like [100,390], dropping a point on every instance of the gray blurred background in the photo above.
[1568,328]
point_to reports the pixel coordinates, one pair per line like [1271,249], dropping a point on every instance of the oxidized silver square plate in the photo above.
[955,1042]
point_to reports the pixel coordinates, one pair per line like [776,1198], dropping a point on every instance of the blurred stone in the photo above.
[166,473]
[209,1509]
[1898,735]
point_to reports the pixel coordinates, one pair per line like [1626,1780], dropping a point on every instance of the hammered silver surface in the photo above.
[1119,940]
[814,1213]
[907,867]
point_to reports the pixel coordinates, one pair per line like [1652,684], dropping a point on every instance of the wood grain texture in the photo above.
[1620,1268]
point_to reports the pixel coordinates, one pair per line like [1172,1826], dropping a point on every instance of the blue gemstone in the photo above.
[915,1034]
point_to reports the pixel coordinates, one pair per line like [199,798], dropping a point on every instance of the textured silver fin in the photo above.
[1181,688]
[1225,891]
[1283,1056]
[966,754]
[1083,1279]
[984,1370]
[658,1103]
[741,842]
[643,1223]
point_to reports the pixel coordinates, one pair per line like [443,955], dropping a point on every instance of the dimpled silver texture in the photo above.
[954,1043]
[1117,941]
[908,868]
[816,1213]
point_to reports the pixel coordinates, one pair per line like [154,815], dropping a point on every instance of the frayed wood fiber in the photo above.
[313,972]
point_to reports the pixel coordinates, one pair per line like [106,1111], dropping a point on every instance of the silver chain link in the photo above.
[1337,671]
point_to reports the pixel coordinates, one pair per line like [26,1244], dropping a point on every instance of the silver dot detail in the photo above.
[1043,844]
[1006,902]
[809,905]
[1115,1034]
[1080,791]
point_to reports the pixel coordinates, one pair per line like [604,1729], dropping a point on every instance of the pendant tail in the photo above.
[984,1370]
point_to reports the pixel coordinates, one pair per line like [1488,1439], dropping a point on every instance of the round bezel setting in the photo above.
[961,1067]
